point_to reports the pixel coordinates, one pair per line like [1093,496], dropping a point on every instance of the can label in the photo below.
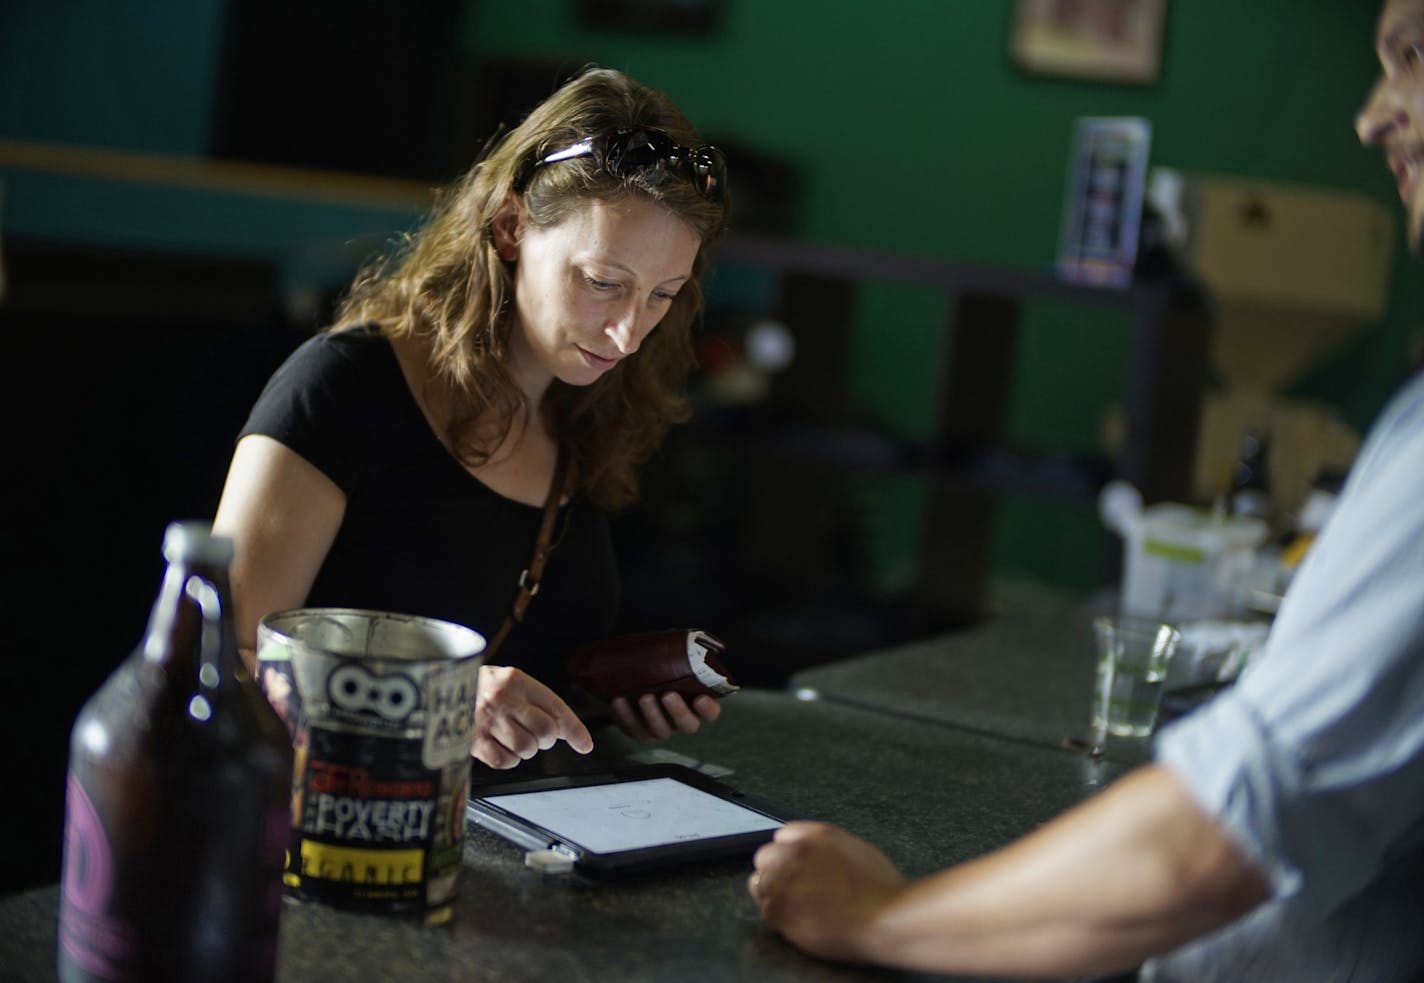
[381,775]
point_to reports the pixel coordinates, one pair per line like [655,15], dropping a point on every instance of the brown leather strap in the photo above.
[565,475]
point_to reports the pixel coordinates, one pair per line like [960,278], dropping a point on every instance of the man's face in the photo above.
[1393,115]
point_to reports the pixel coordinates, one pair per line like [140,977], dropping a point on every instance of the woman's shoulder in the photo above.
[349,342]
[326,398]
[330,369]
[352,352]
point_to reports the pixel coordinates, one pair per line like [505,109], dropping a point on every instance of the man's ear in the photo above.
[507,227]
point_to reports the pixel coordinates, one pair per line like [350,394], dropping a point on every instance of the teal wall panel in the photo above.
[110,73]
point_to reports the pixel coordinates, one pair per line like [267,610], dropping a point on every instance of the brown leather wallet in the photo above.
[682,660]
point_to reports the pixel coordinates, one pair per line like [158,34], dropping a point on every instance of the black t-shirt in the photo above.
[421,535]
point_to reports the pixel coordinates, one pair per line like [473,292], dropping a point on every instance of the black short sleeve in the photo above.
[420,534]
[314,403]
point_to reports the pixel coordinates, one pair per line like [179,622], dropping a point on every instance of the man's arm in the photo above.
[1137,870]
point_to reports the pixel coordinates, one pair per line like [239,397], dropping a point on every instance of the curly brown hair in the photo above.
[447,285]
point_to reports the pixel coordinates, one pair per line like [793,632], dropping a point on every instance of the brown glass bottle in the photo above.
[178,798]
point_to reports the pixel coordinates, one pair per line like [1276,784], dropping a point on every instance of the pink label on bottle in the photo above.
[93,939]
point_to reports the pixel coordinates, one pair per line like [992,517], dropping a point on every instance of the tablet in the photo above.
[627,821]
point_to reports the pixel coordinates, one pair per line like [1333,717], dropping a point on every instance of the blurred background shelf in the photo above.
[752,520]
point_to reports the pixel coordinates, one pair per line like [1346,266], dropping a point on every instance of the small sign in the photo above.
[1102,209]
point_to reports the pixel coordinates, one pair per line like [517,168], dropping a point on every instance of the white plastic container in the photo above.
[1180,563]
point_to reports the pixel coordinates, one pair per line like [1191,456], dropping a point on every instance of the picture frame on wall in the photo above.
[1106,40]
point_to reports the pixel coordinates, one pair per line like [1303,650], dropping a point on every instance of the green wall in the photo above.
[916,134]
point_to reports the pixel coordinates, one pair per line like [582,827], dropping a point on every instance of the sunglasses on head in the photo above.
[628,152]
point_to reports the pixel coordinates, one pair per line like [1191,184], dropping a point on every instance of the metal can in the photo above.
[381,709]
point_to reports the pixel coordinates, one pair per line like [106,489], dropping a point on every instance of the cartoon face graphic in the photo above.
[392,698]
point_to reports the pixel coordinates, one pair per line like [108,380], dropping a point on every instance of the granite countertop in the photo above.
[1027,674]
[928,795]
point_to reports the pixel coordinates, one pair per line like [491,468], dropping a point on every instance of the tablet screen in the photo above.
[633,815]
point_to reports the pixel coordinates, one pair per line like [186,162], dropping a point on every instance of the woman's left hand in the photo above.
[654,716]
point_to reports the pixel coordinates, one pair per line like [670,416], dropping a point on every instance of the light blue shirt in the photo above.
[1314,761]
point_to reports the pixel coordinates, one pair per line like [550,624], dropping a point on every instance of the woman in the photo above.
[402,460]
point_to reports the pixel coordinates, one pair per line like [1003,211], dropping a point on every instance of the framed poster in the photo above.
[1110,40]
[1102,205]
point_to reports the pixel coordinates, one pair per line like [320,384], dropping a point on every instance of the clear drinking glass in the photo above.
[1132,663]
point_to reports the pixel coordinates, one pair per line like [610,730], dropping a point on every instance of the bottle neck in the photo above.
[190,635]
[1251,465]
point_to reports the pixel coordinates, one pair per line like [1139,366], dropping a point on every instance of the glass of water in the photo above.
[1132,663]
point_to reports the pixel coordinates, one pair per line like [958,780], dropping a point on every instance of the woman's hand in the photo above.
[656,716]
[822,888]
[516,717]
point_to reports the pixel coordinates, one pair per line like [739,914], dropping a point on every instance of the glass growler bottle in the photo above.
[178,797]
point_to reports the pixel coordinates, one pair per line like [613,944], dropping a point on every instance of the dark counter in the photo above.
[927,794]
